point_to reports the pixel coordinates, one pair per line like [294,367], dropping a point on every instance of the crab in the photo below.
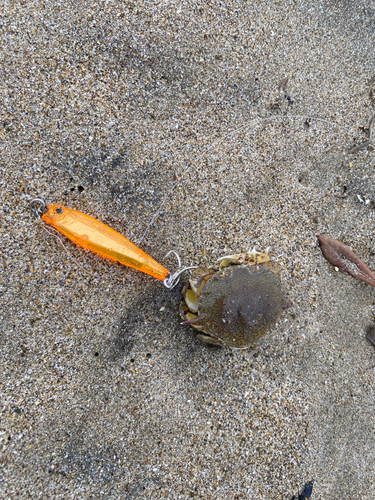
[235,304]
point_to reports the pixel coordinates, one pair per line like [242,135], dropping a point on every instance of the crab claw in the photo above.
[189,322]
[189,318]
[207,339]
[194,323]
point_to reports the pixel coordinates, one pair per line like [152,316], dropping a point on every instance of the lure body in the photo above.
[93,235]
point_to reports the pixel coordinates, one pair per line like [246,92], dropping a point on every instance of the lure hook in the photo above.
[171,280]
[37,207]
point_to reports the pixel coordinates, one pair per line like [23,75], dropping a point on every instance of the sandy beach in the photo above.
[206,128]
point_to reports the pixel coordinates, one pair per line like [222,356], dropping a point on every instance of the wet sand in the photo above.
[206,129]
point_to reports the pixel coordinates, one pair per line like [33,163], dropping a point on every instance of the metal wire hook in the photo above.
[171,280]
[37,207]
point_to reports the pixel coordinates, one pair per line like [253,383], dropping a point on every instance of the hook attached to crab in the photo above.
[233,304]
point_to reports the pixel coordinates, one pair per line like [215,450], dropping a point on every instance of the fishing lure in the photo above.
[93,235]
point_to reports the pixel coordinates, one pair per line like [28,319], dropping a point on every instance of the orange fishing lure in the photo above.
[93,235]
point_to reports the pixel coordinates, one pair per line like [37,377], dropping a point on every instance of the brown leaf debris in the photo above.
[341,256]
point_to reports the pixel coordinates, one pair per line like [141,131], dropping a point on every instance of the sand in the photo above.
[204,128]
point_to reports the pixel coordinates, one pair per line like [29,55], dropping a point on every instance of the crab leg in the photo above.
[252,257]
[93,235]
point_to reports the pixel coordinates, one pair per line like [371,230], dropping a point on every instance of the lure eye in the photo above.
[58,210]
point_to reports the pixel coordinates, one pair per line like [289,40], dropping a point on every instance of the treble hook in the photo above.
[37,207]
[171,280]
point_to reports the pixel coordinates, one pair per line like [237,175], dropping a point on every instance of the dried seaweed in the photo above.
[367,143]
[341,256]
[283,84]
[371,334]
[363,145]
